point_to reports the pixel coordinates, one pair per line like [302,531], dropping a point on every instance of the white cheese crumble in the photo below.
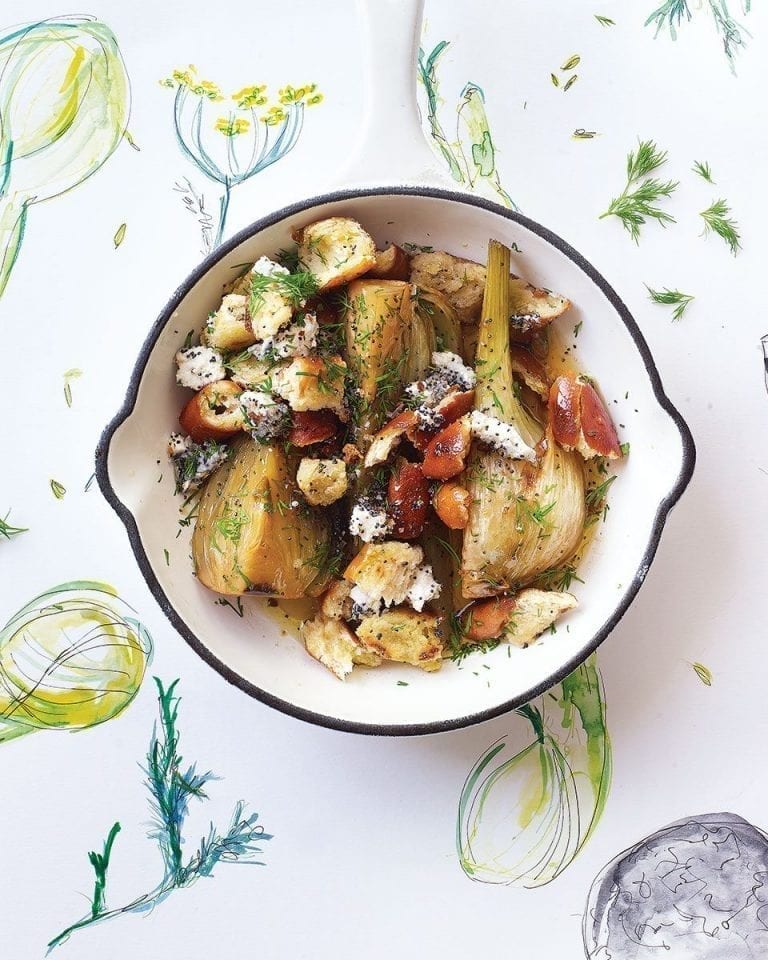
[199,366]
[501,436]
[423,588]
[369,521]
[194,462]
[464,376]
[364,603]
[268,268]
[265,417]
[297,340]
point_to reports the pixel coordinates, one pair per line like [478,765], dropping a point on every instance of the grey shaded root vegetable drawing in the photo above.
[695,890]
[171,787]
[523,817]
[471,156]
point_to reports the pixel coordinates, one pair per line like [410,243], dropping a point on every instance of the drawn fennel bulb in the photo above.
[64,105]
[523,818]
[71,658]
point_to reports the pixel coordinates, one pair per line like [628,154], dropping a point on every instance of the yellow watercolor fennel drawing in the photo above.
[64,106]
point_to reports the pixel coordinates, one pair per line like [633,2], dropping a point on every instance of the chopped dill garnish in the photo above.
[289,258]
[417,248]
[717,220]
[671,298]
[223,602]
[296,287]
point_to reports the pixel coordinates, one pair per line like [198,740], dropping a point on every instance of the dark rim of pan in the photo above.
[406,729]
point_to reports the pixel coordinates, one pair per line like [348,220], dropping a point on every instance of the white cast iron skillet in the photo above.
[254,652]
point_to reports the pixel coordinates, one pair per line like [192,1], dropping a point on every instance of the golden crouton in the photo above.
[463,284]
[312,383]
[335,250]
[404,636]
[322,481]
[385,571]
[336,603]
[534,612]
[335,646]
[229,328]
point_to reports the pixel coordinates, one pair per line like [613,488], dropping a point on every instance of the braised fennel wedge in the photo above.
[381,433]
[526,515]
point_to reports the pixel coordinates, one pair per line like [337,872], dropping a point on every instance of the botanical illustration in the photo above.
[171,786]
[672,14]
[71,658]
[471,154]
[64,105]
[694,890]
[232,138]
[524,817]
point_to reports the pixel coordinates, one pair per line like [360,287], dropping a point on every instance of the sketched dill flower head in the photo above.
[274,116]
[64,104]
[208,89]
[248,97]
[71,658]
[232,126]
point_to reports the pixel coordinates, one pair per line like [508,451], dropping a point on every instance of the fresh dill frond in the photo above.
[639,200]
[7,530]
[594,498]
[703,169]
[604,21]
[671,298]
[289,258]
[560,578]
[296,287]
[644,161]
[717,219]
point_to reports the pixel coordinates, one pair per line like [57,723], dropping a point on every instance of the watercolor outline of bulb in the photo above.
[64,108]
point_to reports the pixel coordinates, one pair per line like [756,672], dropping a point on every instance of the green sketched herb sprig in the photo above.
[717,219]
[230,144]
[471,155]
[680,301]
[7,530]
[672,14]
[172,786]
[639,200]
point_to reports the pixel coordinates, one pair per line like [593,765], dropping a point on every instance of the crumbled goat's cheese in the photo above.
[501,436]
[369,520]
[364,605]
[297,340]
[448,371]
[194,462]
[199,366]
[423,588]
[266,418]
[452,364]
[268,268]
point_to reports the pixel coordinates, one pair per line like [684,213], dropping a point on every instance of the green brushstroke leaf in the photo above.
[58,489]
[703,673]
[120,235]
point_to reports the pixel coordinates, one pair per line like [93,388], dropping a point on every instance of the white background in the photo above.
[363,861]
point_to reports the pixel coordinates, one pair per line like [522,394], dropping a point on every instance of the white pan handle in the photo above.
[391,147]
